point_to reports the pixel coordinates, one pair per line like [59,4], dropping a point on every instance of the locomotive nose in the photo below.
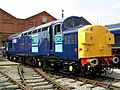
[94,62]
[115,60]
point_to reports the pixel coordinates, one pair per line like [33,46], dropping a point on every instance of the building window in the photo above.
[44,19]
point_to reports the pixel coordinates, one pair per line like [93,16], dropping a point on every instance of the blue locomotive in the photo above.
[70,44]
[114,29]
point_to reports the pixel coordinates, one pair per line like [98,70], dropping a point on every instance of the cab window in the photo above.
[57,29]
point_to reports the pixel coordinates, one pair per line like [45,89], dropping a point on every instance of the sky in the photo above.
[95,11]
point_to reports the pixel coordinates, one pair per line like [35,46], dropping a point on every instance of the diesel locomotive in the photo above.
[71,44]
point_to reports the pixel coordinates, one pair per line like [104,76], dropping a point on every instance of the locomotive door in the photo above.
[51,35]
[58,38]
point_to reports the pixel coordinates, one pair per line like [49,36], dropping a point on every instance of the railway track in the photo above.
[29,78]
[20,77]
[37,79]
[108,86]
[91,83]
[8,83]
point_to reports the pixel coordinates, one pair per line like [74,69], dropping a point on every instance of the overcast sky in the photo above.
[95,11]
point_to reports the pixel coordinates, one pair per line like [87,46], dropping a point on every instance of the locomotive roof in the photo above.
[63,21]
[15,35]
[41,26]
[30,29]
[114,28]
[20,33]
[44,25]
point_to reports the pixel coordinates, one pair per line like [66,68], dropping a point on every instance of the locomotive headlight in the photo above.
[14,58]
[70,68]
[94,62]
[39,63]
[115,60]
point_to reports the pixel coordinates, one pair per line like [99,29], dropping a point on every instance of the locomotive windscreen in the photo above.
[75,21]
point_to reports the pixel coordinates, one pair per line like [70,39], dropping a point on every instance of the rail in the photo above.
[14,81]
[20,72]
[108,86]
[39,71]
